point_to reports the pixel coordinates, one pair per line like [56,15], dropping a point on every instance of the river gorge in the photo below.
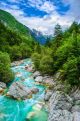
[33,97]
[32,109]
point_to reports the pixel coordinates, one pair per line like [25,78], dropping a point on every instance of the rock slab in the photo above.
[19,91]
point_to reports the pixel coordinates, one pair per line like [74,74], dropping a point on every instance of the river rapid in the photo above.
[26,110]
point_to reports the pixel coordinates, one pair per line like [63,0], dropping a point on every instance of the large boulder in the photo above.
[76,111]
[76,95]
[19,91]
[63,107]
[39,79]
[75,108]
[76,116]
[2,87]
[35,90]
[57,76]
[60,105]
[29,68]
[48,95]
[16,63]
[60,100]
[48,81]
[36,73]
[60,115]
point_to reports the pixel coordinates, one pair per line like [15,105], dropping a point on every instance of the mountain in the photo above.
[40,37]
[12,23]
[15,25]
[15,38]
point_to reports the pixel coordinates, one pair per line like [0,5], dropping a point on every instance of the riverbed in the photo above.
[32,109]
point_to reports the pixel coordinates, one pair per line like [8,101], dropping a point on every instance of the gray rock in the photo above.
[2,85]
[57,76]
[60,100]
[76,116]
[29,68]
[48,95]
[60,115]
[63,107]
[35,90]
[76,95]
[18,90]
[36,73]
[16,63]
[76,108]
[39,79]
[60,105]
[48,81]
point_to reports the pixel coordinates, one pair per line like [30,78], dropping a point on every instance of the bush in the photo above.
[46,64]
[6,74]
[25,50]
[71,71]
[36,59]
[15,53]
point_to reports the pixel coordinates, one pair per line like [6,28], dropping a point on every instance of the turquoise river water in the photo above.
[26,110]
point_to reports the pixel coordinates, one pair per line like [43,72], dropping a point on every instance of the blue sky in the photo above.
[43,15]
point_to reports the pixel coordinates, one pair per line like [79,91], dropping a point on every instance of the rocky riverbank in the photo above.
[61,106]
[22,99]
[19,91]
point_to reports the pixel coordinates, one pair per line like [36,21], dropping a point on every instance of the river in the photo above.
[25,110]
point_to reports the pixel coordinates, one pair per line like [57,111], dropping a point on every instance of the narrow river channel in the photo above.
[26,110]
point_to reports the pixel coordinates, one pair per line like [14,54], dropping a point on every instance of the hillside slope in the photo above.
[12,23]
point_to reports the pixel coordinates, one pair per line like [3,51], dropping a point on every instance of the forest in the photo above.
[60,54]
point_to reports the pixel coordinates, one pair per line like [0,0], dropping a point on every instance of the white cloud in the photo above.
[74,8]
[35,3]
[47,23]
[42,5]
[47,7]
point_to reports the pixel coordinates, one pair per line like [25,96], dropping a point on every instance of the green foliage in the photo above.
[74,27]
[58,31]
[25,50]
[6,74]
[11,22]
[71,71]
[58,35]
[36,59]
[15,44]
[62,54]
[15,53]
[16,41]
[46,64]
[43,60]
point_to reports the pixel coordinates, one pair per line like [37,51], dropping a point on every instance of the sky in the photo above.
[43,15]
